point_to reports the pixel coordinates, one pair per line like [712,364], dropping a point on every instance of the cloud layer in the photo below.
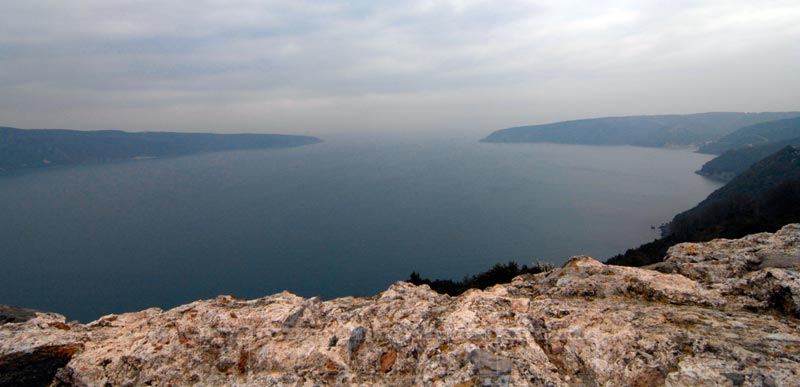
[321,67]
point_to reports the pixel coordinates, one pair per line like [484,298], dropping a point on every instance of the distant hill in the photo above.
[32,148]
[733,162]
[763,198]
[754,135]
[651,131]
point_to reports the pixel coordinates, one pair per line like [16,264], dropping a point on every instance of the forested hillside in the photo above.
[763,198]
[31,148]
[755,135]
[651,131]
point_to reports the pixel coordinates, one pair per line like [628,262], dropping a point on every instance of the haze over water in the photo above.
[345,217]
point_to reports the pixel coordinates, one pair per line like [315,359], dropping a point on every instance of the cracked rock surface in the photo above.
[720,313]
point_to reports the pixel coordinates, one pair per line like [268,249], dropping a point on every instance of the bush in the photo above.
[499,274]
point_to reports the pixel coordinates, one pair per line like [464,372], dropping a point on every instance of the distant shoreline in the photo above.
[25,149]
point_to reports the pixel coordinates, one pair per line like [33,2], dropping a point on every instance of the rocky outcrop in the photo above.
[758,272]
[15,314]
[721,313]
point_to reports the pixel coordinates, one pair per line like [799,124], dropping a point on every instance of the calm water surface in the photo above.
[345,217]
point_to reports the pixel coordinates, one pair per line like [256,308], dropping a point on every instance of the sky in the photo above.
[414,66]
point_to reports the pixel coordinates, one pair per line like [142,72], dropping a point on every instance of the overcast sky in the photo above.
[322,67]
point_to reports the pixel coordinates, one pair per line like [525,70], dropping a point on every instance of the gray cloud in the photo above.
[320,67]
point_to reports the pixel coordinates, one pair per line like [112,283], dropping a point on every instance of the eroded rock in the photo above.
[492,370]
[721,313]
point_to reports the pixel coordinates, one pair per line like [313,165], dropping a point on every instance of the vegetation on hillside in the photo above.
[755,135]
[733,162]
[762,199]
[499,274]
[651,131]
[28,148]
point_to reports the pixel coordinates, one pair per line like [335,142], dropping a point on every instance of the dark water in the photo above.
[338,218]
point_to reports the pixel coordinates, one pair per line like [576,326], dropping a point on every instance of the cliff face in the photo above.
[721,313]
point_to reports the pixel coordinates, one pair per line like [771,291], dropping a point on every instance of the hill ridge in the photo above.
[666,130]
[35,148]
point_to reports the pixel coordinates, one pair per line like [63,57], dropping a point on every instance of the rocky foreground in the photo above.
[722,313]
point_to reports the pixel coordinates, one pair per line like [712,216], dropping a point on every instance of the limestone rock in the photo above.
[721,313]
[761,268]
[492,370]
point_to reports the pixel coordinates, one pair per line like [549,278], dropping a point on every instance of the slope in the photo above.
[763,198]
[733,162]
[755,135]
[31,148]
[652,131]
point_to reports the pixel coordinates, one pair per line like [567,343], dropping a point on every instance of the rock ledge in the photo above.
[722,313]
